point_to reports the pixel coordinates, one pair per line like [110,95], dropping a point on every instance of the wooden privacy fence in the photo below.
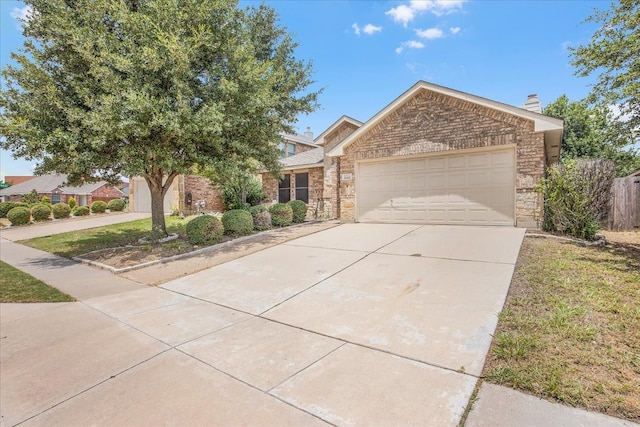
[625,204]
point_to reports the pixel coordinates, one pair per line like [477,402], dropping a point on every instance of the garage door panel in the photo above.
[477,188]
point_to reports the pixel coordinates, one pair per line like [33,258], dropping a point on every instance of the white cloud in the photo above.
[368,29]
[21,14]
[454,30]
[371,29]
[404,14]
[430,33]
[410,44]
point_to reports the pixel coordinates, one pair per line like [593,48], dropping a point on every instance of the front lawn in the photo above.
[80,242]
[570,329]
[17,286]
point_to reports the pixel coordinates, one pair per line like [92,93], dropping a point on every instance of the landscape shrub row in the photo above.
[21,213]
[208,230]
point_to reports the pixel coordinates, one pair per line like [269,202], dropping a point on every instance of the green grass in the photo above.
[17,286]
[80,242]
[570,329]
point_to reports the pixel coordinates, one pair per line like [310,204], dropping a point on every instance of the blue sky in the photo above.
[367,53]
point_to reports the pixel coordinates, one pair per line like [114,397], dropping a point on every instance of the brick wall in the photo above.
[201,189]
[270,187]
[430,122]
[104,193]
[316,186]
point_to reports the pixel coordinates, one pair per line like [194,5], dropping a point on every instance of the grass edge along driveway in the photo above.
[570,328]
[18,286]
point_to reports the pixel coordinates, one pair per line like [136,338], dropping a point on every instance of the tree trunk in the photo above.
[158,189]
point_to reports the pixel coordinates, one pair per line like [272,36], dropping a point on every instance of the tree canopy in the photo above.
[151,88]
[587,134]
[613,53]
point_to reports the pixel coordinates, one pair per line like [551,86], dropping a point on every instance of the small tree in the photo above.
[577,194]
[31,198]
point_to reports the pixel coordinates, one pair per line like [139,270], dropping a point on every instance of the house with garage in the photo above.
[434,155]
[55,188]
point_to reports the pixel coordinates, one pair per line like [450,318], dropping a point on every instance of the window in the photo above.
[302,187]
[55,198]
[284,189]
[287,149]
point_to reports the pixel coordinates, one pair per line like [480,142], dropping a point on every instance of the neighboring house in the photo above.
[433,156]
[17,179]
[54,187]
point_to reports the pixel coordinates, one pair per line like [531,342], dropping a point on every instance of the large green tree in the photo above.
[151,88]
[613,54]
[588,134]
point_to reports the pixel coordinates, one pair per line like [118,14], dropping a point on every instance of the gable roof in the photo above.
[320,138]
[551,127]
[300,139]
[47,183]
[310,158]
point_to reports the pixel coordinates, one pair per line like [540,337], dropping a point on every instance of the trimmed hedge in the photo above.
[19,215]
[45,200]
[262,221]
[80,211]
[40,212]
[72,202]
[255,210]
[115,205]
[98,206]
[299,209]
[61,210]
[281,215]
[5,207]
[204,230]
[237,222]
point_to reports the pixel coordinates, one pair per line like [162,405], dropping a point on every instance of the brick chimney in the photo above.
[533,104]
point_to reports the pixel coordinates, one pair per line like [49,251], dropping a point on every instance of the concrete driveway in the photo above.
[361,324]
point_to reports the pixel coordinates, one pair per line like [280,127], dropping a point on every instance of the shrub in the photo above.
[281,214]
[115,205]
[237,222]
[5,207]
[80,211]
[31,198]
[19,215]
[255,210]
[204,230]
[61,210]
[232,193]
[72,202]
[299,209]
[576,196]
[45,200]
[98,206]
[262,221]
[40,212]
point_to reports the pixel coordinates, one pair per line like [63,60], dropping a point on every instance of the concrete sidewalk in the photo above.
[78,280]
[70,224]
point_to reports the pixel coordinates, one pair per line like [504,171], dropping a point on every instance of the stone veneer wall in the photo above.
[333,169]
[431,122]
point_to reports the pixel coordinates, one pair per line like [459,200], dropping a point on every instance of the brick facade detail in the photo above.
[200,188]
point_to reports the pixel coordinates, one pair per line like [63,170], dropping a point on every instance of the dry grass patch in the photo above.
[570,329]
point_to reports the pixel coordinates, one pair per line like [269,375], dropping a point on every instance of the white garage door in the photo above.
[142,196]
[475,188]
